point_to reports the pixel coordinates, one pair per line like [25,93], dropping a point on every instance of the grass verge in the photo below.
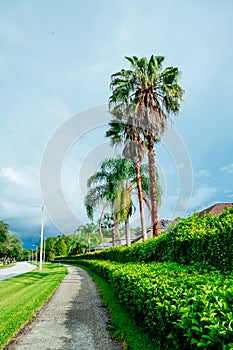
[22,297]
[123,327]
[5,266]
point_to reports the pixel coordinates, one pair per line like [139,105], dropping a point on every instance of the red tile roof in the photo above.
[215,209]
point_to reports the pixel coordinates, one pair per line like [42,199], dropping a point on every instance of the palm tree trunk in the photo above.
[100,223]
[116,227]
[140,199]
[154,211]
[89,241]
[113,237]
[127,232]
[147,201]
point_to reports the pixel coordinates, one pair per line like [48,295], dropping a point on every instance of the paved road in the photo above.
[73,319]
[18,269]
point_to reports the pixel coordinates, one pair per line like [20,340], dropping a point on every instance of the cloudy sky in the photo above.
[56,58]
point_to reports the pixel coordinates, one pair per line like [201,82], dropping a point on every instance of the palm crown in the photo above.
[155,92]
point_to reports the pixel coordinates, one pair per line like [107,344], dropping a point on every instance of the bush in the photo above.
[208,240]
[181,307]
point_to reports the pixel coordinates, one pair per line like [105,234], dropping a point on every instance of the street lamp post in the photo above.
[44,247]
[41,235]
[41,238]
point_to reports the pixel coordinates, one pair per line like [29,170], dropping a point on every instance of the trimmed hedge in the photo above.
[181,307]
[185,298]
[207,240]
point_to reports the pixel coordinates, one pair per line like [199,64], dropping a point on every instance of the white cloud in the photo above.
[13,175]
[228,169]
[67,78]
[202,173]
[202,196]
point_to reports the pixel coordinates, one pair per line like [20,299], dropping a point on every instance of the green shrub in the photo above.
[183,308]
[186,300]
[207,240]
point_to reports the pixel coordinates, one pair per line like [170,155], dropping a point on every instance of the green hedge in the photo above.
[181,307]
[183,301]
[207,240]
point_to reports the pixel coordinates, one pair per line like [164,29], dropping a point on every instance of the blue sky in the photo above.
[56,58]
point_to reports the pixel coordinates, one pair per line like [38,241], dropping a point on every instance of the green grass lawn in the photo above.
[21,298]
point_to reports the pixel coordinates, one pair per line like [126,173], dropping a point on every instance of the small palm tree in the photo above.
[119,131]
[154,94]
[95,197]
[116,178]
[87,229]
[102,187]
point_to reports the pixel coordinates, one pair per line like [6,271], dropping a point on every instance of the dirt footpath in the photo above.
[73,319]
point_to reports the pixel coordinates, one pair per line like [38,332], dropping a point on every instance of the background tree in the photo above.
[15,249]
[74,247]
[50,251]
[96,197]
[155,94]
[65,245]
[107,225]
[86,231]
[10,245]
[61,247]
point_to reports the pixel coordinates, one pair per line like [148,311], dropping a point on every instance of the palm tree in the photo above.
[107,225]
[124,206]
[116,179]
[154,94]
[94,197]
[119,131]
[102,187]
[87,229]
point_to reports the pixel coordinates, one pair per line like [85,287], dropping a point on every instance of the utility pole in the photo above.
[44,247]
[41,239]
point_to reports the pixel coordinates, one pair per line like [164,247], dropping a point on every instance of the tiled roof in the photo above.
[216,209]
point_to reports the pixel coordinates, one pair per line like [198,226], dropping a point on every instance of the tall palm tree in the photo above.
[154,94]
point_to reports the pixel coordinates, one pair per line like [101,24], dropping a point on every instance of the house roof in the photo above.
[215,209]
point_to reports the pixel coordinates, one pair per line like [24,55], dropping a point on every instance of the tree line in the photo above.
[10,245]
[80,241]
[84,239]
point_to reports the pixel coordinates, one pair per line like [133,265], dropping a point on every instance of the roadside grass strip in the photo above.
[5,266]
[181,307]
[22,297]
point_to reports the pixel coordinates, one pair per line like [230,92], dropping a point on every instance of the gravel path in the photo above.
[73,319]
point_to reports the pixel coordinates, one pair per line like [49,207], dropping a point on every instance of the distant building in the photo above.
[163,224]
[215,209]
[101,247]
